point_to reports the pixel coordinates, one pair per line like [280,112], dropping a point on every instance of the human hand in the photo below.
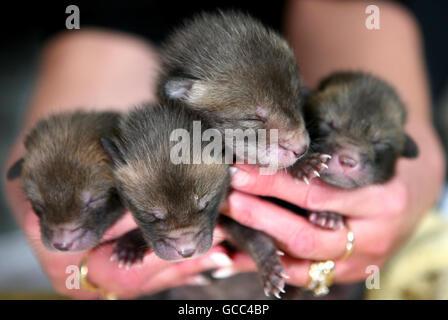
[121,72]
[380,216]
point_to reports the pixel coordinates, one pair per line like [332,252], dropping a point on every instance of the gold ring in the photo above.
[89,286]
[350,244]
[321,277]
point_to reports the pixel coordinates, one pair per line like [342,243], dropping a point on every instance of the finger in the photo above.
[349,271]
[320,196]
[298,271]
[182,272]
[128,281]
[241,262]
[293,234]
[357,268]
[57,267]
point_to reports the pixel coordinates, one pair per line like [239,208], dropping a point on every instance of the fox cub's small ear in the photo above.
[16,170]
[112,150]
[410,148]
[306,92]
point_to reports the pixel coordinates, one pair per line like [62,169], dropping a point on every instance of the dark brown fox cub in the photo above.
[358,119]
[241,75]
[175,203]
[67,177]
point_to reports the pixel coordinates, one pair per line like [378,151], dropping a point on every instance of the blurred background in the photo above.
[24,30]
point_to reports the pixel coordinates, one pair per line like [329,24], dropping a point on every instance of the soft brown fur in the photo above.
[360,115]
[239,74]
[65,167]
[164,197]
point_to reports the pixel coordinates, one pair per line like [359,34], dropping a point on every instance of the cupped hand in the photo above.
[379,216]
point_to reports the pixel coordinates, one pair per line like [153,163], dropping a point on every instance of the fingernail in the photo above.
[223,273]
[240,178]
[198,280]
[221,259]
